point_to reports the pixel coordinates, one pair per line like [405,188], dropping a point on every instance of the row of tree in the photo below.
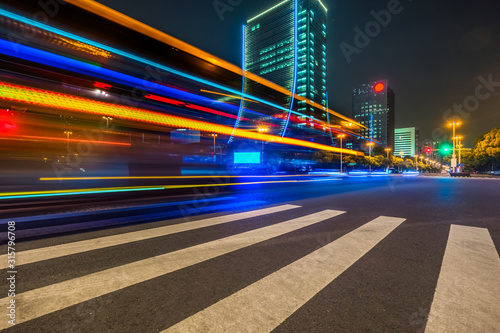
[328,160]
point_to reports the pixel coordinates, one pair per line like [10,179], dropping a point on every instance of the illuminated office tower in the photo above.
[405,141]
[373,106]
[286,44]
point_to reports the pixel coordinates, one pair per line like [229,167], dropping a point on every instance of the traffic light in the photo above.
[428,150]
[445,149]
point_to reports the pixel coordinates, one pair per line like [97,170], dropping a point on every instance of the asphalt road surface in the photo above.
[388,254]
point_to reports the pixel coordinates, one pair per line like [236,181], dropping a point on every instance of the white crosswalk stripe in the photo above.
[45,300]
[36,255]
[468,290]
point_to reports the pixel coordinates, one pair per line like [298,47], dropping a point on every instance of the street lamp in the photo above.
[388,150]
[401,153]
[370,145]
[454,125]
[262,130]
[341,136]
[214,135]
[107,121]
[459,145]
[67,139]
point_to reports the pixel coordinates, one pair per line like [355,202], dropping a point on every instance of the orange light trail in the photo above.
[42,98]
[126,21]
[44,138]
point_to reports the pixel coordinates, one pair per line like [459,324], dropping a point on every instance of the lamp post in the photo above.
[214,136]
[454,125]
[388,150]
[459,146]
[370,145]
[416,162]
[107,122]
[341,136]
[262,130]
[401,153]
[67,139]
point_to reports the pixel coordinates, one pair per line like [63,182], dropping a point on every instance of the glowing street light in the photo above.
[341,136]
[388,150]
[108,119]
[370,145]
[401,153]
[263,130]
[459,139]
[214,136]
[454,125]
[67,139]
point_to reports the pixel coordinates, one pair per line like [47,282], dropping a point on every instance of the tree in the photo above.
[486,152]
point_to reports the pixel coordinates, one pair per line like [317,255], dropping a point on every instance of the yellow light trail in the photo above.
[48,99]
[126,21]
[32,194]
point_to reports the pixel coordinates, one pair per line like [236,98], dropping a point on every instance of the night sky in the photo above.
[432,52]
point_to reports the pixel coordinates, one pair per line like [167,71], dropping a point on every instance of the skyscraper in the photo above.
[405,141]
[373,106]
[286,44]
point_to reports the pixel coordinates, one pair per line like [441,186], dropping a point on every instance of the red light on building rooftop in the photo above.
[379,87]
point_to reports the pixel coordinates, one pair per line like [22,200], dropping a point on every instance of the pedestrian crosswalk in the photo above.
[261,306]
[465,298]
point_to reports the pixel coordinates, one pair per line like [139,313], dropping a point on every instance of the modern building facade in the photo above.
[405,141]
[373,106]
[270,49]
[287,45]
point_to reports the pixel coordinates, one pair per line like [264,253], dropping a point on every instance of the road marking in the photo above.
[264,305]
[468,290]
[51,252]
[39,302]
